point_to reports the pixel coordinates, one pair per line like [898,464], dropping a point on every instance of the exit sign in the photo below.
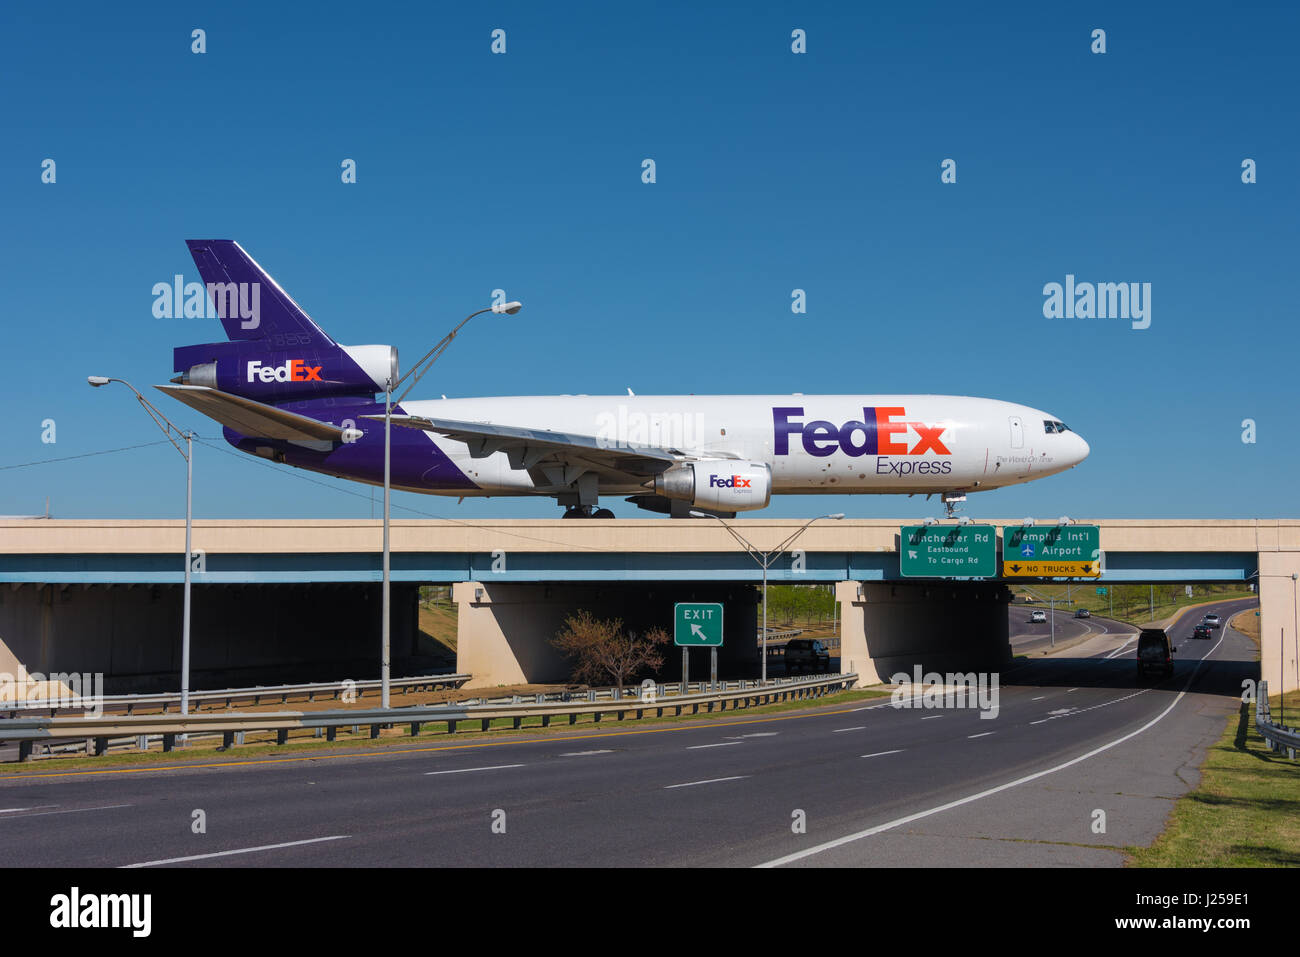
[697,624]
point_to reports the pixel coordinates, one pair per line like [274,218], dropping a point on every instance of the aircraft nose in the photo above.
[1081,448]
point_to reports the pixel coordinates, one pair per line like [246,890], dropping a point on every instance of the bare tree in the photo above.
[600,649]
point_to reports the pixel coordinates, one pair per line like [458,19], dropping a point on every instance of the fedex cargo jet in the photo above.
[286,391]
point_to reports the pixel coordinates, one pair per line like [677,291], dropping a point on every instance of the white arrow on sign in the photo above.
[698,632]
[911,554]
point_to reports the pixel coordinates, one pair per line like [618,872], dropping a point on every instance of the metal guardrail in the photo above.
[256,693]
[1277,737]
[98,732]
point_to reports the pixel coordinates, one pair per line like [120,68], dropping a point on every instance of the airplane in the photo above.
[285,391]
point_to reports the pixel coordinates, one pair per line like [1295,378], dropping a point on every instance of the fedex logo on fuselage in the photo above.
[729,481]
[881,431]
[294,370]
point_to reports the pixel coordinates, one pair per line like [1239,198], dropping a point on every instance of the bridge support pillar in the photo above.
[1279,619]
[942,626]
[504,629]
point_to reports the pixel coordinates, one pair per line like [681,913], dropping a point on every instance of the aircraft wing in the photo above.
[545,449]
[249,417]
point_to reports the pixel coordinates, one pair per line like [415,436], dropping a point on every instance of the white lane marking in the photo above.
[691,784]
[1061,711]
[755,734]
[870,708]
[494,767]
[881,754]
[1072,689]
[241,850]
[34,807]
[1039,698]
[71,810]
[861,727]
[984,734]
[720,744]
[890,825]
[582,754]
[1120,648]
[932,717]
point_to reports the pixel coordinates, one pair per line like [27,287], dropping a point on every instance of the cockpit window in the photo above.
[1051,425]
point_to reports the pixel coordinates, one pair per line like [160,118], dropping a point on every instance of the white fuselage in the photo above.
[812,444]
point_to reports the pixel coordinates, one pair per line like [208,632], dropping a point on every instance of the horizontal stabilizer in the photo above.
[251,418]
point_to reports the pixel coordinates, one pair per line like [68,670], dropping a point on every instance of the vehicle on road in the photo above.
[1155,653]
[1082,613]
[806,654]
[1037,617]
[1202,631]
[1214,621]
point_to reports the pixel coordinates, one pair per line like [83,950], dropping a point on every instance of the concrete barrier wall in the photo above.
[941,626]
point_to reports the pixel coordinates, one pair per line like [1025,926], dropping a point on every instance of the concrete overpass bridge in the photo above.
[97,595]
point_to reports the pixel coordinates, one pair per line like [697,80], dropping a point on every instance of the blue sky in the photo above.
[775,171]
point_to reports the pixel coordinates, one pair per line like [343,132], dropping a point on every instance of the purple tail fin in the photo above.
[250,303]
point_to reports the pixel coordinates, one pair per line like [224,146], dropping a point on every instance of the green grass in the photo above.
[434,733]
[1246,810]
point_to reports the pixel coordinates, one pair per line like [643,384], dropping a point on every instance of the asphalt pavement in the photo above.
[852,784]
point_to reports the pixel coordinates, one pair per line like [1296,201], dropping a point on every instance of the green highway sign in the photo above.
[697,624]
[1101,590]
[1051,551]
[948,551]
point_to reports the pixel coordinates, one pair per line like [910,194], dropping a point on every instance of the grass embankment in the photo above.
[1246,810]
[1132,603]
[434,735]
[1246,622]
[438,628]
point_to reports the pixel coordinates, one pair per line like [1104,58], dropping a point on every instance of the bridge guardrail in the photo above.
[1277,737]
[256,692]
[99,731]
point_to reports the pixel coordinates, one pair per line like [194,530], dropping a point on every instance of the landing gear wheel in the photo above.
[575,511]
[602,513]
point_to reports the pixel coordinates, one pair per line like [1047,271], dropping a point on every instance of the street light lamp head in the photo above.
[508,308]
[1064,520]
[835,516]
[930,520]
[97,380]
[1028,523]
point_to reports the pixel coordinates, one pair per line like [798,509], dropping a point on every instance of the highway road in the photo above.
[874,784]
[1028,637]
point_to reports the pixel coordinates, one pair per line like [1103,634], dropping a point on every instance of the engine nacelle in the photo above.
[252,370]
[721,484]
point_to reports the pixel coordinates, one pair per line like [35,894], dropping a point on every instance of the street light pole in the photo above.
[418,370]
[172,432]
[765,559]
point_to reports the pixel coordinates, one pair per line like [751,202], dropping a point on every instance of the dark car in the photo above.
[806,654]
[1202,631]
[1082,613]
[1154,653]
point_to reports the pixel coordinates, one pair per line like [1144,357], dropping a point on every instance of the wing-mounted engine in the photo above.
[718,484]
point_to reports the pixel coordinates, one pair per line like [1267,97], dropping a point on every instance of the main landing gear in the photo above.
[586,511]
